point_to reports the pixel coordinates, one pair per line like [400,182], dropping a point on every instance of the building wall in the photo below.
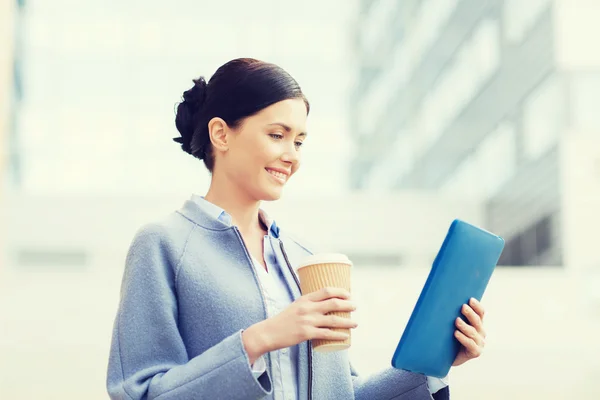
[476,113]
[403,229]
[520,71]
[8,18]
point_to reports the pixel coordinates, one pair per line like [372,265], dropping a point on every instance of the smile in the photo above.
[281,177]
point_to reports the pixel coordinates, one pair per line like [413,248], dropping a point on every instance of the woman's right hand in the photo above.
[304,319]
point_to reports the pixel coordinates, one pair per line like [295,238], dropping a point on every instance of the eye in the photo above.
[299,144]
[277,136]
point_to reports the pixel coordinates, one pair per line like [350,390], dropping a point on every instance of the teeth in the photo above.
[277,174]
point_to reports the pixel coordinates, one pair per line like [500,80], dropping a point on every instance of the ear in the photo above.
[218,133]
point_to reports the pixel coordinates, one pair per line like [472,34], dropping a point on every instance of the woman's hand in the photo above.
[304,319]
[471,335]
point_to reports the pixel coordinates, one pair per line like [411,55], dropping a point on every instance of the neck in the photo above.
[231,198]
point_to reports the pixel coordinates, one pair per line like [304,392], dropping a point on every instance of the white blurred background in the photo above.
[422,111]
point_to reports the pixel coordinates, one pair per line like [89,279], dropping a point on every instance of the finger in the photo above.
[331,305]
[477,307]
[328,293]
[328,334]
[335,321]
[471,348]
[469,331]
[474,319]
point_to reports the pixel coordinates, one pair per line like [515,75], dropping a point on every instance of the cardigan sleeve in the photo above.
[392,383]
[148,359]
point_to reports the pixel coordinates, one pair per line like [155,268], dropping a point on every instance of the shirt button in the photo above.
[285,351]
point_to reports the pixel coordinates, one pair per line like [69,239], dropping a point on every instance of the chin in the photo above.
[271,195]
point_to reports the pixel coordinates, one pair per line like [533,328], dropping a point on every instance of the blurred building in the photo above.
[5,78]
[104,80]
[11,13]
[473,99]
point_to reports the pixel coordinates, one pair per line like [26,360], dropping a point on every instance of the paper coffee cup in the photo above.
[327,270]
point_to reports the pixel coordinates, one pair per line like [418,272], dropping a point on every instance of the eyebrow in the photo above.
[287,128]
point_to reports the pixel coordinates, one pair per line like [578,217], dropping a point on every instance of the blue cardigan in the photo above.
[188,291]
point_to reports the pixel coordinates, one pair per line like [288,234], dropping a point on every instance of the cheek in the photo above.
[253,159]
[266,153]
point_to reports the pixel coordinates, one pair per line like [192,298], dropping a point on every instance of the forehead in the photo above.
[291,112]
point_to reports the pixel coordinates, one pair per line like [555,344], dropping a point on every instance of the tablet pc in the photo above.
[461,270]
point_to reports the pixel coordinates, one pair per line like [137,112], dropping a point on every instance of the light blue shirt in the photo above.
[277,297]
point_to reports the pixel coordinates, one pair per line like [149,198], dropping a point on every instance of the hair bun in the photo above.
[187,113]
[195,96]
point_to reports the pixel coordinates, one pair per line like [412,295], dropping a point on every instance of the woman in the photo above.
[210,305]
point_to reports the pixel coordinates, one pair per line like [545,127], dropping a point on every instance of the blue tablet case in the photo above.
[461,270]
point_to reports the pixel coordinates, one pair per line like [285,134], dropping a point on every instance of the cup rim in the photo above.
[325,258]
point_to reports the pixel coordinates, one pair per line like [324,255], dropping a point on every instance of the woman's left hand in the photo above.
[471,335]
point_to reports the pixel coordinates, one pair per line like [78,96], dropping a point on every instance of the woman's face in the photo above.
[264,151]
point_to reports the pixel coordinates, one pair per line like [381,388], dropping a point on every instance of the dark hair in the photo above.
[238,89]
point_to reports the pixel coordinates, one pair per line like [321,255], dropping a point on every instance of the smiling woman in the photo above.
[211,306]
[250,118]
[239,89]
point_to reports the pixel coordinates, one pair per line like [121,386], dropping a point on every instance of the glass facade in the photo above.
[492,164]
[519,17]
[393,164]
[544,117]
[483,99]
[473,65]
[16,92]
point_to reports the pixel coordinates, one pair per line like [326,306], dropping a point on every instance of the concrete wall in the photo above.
[411,226]
[580,182]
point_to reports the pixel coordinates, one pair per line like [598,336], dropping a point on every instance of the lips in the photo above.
[278,174]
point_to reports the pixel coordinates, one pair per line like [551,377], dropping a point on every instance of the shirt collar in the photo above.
[219,214]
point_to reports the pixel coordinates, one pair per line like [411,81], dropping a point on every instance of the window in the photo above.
[465,182]
[513,253]
[378,21]
[543,235]
[473,65]
[520,16]
[429,21]
[543,117]
[497,159]
[488,168]
[526,247]
[386,173]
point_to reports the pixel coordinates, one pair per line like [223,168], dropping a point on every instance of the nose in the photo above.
[291,156]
